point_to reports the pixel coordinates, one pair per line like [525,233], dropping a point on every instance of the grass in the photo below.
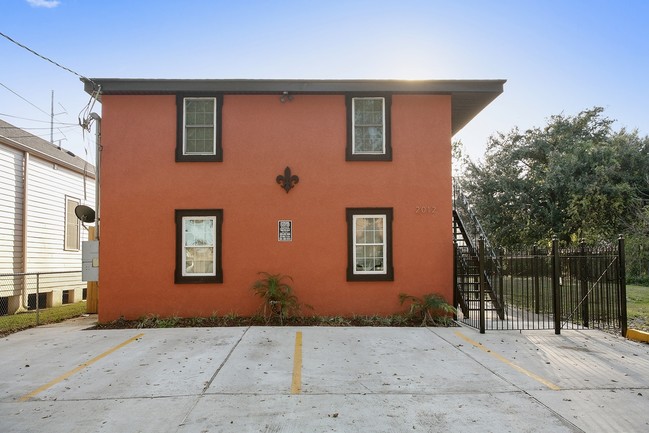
[17,322]
[637,307]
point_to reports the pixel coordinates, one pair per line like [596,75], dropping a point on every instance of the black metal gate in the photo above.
[552,288]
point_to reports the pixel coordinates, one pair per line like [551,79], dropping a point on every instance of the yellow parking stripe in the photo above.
[78,369]
[634,334]
[501,358]
[296,385]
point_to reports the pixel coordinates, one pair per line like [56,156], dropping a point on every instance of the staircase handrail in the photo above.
[462,200]
[462,204]
[465,235]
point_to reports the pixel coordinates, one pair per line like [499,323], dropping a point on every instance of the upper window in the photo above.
[71,237]
[368,128]
[369,233]
[198,246]
[199,128]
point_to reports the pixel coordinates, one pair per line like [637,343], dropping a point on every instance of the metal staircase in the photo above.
[468,235]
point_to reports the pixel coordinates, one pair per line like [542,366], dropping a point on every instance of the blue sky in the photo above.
[559,56]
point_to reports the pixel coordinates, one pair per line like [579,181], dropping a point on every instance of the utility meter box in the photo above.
[90,261]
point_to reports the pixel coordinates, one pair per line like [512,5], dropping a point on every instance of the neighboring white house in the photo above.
[40,185]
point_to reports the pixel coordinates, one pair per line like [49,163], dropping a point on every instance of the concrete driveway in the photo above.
[62,378]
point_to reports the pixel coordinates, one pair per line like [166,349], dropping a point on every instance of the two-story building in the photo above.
[40,235]
[345,185]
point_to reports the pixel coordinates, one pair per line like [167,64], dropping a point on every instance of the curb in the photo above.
[634,334]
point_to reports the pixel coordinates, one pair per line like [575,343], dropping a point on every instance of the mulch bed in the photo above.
[230,321]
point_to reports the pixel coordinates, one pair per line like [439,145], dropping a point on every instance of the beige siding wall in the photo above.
[11,204]
[48,186]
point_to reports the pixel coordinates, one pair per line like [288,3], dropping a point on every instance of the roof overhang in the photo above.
[468,97]
[23,141]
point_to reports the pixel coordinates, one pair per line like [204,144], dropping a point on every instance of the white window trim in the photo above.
[354,151]
[184,247]
[384,244]
[214,126]
[66,240]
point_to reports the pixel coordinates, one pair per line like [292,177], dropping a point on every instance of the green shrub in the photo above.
[431,308]
[279,300]
[640,280]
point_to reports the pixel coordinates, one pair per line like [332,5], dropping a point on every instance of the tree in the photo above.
[637,251]
[574,178]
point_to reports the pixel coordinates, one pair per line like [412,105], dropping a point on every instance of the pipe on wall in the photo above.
[24,301]
[97,118]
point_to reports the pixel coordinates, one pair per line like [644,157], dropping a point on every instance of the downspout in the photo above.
[24,302]
[97,118]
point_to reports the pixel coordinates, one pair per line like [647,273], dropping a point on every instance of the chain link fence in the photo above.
[37,290]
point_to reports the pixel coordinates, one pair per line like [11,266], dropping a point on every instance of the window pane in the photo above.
[368,111]
[198,246]
[199,140]
[378,230]
[199,260]
[368,125]
[199,111]
[369,246]
[368,139]
[199,126]
[369,230]
[376,255]
[369,255]
[363,259]
[199,235]
[199,232]
[361,223]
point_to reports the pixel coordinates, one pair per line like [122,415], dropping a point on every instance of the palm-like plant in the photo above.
[431,308]
[279,300]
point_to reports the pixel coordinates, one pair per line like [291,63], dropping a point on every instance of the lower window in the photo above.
[198,246]
[369,240]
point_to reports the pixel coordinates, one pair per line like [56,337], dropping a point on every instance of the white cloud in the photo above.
[44,3]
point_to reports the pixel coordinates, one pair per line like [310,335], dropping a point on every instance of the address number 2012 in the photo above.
[425,210]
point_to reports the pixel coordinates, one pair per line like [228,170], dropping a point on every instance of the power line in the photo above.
[51,115]
[48,128]
[21,97]
[47,59]
[87,119]
[39,121]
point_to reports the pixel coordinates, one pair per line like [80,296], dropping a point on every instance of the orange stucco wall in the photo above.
[142,185]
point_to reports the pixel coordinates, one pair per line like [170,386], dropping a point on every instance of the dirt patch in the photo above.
[639,323]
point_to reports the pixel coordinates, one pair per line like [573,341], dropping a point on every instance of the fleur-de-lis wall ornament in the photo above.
[287,181]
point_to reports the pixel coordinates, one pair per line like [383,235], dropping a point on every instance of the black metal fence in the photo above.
[542,288]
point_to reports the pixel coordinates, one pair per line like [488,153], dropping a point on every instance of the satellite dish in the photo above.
[84,213]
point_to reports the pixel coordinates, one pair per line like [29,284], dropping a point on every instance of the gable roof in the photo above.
[468,97]
[17,138]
